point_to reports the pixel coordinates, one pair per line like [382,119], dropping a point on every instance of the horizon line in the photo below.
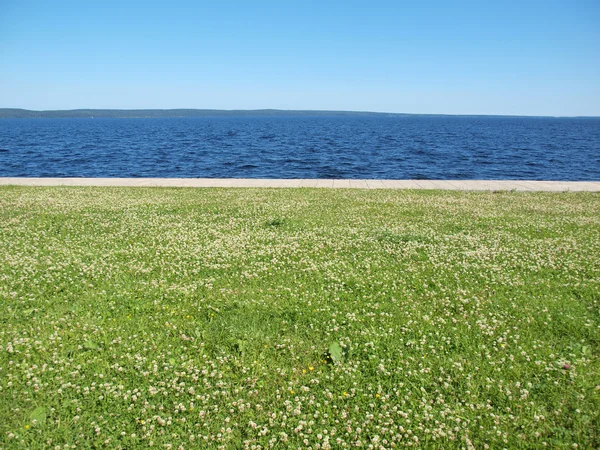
[277,110]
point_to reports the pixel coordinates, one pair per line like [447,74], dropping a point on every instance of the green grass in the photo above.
[298,318]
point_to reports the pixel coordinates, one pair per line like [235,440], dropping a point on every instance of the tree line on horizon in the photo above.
[16,113]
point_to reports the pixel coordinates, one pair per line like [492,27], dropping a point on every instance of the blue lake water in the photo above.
[380,147]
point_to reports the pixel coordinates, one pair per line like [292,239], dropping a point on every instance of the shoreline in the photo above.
[455,185]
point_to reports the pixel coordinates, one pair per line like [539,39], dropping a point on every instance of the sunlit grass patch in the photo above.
[298,318]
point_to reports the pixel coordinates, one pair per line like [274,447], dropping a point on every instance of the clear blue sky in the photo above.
[524,57]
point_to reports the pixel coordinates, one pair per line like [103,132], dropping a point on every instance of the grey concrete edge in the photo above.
[458,185]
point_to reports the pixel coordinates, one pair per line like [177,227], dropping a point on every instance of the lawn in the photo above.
[298,318]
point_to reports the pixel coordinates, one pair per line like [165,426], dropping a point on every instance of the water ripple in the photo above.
[401,147]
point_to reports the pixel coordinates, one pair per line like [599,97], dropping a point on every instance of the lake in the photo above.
[349,147]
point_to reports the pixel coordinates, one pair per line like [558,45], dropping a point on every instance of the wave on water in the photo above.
[348,147]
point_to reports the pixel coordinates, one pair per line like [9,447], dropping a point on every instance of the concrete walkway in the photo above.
[458,185]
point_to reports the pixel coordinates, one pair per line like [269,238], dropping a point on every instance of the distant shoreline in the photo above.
[17,113]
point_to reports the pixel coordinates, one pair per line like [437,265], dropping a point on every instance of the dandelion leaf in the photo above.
[38,415]
[335,352]
[90,345]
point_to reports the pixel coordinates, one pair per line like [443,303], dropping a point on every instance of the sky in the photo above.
[524,57]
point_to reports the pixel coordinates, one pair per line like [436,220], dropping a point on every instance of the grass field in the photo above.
[298,318]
